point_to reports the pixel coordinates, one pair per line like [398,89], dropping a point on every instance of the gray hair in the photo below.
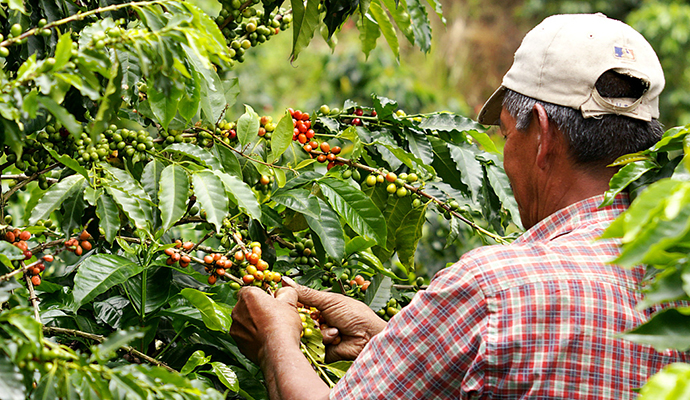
[594,142]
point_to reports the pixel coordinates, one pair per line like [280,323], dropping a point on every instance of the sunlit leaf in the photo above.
[174,185]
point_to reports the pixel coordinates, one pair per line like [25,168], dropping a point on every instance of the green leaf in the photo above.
[247,126]
[197,359]
[667,329]
[398,11]
[196,153]
[445,122]
[174,185]
[164,100]
[421,28]
[154,294]
[68,162]
[368,258]
[137,211]
[470,169]
[226,376]
[671,383]
[436,5]
[213,99]
[394,212]
[210,7]
[150,178]
[305,21]
[501,186]
[338,368]
[408,234]
[228,160]
[281,138]
[53,198]
[356,208]
[386,26]
[114,342]
[242,193]
[11,385]
[216,316]
[369,33]
[73,209]
[415,164]
[99,273]
[328,228]
[63,51]
[210,194]
[300,200]
[379,292]
[626,175]
[62,115]
[108,217]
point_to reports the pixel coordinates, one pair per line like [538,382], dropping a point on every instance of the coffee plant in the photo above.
[134,206]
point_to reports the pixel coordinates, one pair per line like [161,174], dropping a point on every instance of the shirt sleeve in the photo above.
[433,348]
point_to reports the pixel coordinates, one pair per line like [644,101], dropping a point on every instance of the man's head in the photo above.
[598,79]
[583,90]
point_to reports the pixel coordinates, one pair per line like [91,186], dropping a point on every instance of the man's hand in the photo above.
[259,320]
[350,320]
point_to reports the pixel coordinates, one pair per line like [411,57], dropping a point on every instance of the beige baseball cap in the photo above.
[560,60]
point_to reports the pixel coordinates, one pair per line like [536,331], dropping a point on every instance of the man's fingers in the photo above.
[287,295]
[329,334]
[309,296]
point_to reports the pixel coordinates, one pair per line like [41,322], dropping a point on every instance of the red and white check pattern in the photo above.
[536,319]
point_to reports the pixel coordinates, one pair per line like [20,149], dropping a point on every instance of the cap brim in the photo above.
[491,111]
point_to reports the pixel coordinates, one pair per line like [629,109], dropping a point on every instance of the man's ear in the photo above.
[546,135]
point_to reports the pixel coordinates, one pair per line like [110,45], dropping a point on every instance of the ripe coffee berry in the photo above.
[321,158]
[187,246]
[36,280]
[391,177]
[325,147]
[25,235]
[335,150]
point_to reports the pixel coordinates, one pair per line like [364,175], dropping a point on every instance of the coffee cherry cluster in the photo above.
[117,143]
[328,153]
[311,321]
[389,310]
[395,184]
[266,127]
[216,264]
[253,269]
[357,121]
[303,251]
[302,131]
[79,244]
[263,185]
[360,282]
[35,271]
[245,27]
[176,255]
[19,238]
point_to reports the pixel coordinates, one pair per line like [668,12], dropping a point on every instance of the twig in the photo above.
[32,293]
[26,181]
[17,271]
[99,338]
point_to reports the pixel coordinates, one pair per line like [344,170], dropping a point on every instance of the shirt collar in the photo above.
[575,215]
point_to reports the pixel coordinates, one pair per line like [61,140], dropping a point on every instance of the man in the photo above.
[535,319]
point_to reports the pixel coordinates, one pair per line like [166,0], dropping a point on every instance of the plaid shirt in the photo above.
[536,319]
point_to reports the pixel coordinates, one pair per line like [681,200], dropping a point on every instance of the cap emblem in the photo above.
[623,53]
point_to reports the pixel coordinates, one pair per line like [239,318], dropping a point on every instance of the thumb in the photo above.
[308,296]
[287,295]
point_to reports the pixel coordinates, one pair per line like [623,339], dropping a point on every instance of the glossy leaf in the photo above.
[241,193]
[398,11]
[172,195]
[304,24]
[247,126]
[108,216]
[156,295]
[99,273]
[421,27]
[300,200]
[379,292]
[216,316]
[68,162]
[114,342]
[627,174]
[55,196]
[197,359]
[667,329]
[394,213]
[470,169]
[408,235]
[226,376]
[151,177]
[196,153]
[369,33]
[386,27]
[671,383]
[210,193]
[357,209]
[62,115]
[327,227]
[137,211]
[281,138]
[11,385]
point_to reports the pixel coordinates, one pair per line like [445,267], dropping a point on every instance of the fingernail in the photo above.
[288,281]
[331,332]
